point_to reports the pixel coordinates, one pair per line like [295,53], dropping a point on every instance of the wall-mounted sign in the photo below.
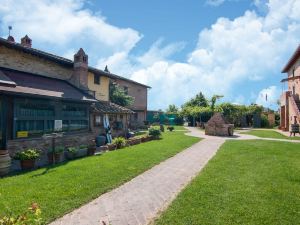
[22,134]
[58,125]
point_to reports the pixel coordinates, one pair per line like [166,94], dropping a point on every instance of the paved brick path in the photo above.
[140,200]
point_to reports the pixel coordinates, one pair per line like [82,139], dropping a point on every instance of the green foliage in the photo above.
[170,128]
[199,100]
[172,109]
[83,147]
[120,142]
[264,121]
[118,96]
[154,131]
[29,154]
[214,100]
[31,217]
[57,149]
[72,150]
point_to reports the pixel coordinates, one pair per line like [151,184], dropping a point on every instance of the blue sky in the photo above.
[234,48]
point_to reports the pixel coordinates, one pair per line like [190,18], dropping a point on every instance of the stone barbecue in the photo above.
[217,126]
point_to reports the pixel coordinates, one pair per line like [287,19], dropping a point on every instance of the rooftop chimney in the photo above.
[11,39]
[80,71]
[26,41]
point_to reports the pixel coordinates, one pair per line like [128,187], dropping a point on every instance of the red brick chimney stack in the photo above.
[26,41]
[80,73]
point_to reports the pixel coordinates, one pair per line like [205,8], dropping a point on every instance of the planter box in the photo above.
[91,150]
[57,157]
[103,148]
[82,152]
[71,155]
[111,147]
[27,164]
[134,141]
[145,139]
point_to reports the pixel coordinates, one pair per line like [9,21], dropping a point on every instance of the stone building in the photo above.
[41,93]
[140,94]
[289,100]
[217,126]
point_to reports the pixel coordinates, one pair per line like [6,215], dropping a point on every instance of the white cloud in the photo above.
[66,25]
[215,2]
[268,97]
[230,55]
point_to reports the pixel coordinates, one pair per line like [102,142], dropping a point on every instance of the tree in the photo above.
[214,100]
[172,109]
[118,96]
[199,100]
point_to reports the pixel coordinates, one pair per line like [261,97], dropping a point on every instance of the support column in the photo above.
[5,160]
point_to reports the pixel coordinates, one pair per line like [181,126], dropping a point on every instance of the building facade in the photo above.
[41,93]
[140,94]
[289,100]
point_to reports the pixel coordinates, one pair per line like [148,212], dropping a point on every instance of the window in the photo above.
[75,118]
[33,118]
[126,90]
[97,120]
[96,79]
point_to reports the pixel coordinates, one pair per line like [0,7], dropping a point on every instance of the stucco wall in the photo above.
[295,82]
[18,60]
[102,89]
[138,92]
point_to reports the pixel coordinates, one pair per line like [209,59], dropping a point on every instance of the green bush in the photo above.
[154,132]
[28,154]
[83,147]
[120,142]
[72,150]
[57,149]
[264,121]
[170,128]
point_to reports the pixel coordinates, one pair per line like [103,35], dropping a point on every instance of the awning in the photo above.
[110,108]
[22,83]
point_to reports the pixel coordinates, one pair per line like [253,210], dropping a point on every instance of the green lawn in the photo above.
[60,189]
[269,134]
[247,182]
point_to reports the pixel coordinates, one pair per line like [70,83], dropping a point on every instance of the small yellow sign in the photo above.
[22,134]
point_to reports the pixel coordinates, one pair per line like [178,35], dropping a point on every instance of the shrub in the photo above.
[83,147]
[154,132]
[120,142]
[170,128]
[264,121]
[29,154]
[58,149]
[72,150]
[31,216]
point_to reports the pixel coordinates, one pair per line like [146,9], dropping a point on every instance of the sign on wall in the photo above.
[22,134]
[57,125]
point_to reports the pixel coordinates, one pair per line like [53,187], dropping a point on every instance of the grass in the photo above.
[60,189]
[269,134]
[247,182]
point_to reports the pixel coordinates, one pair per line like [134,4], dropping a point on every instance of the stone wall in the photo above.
[18,60]
[81,138]
[217,126]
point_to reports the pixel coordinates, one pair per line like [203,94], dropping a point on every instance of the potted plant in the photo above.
[120,142]
[55,155]
[71,152]
[27,158]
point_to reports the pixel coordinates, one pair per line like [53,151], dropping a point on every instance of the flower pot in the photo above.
[5,162]
[27,164]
